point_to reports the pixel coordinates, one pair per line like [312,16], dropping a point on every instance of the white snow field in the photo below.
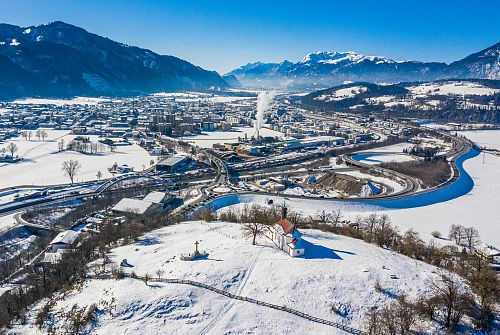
[452,88]
[485,138]
[375,159]
[342,93]
[61,102]
[336,271]
[41,164]
[395,148]
[208,139]
[197,96]
[7,222]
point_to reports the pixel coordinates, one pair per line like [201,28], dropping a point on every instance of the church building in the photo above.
[287,237]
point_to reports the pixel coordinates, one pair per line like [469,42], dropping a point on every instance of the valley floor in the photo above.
[42,161]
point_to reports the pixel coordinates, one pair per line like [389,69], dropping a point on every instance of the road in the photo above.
[412,186]
[264,168]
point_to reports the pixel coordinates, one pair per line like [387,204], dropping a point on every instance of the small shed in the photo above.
[171,164]
[135,206]
[63,240]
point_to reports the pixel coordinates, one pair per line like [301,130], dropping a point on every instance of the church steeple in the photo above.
[284,211]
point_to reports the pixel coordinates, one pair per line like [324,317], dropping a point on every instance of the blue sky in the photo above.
[222,35]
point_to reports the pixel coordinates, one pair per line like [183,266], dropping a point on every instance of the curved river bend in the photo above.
[461,186]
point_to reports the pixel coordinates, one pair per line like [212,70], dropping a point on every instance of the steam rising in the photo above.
[264,103]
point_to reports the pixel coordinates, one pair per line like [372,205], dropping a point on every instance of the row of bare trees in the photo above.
[450,300]
[255,219]
[87,147]
[464,236]
[40,133]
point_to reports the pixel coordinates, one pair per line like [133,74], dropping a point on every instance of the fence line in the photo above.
[254,301]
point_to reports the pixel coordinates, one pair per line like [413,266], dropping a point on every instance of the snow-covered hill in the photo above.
[337,272]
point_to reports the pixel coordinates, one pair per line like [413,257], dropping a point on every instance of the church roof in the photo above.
[287,226]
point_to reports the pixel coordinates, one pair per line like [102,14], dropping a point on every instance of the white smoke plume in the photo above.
[264,103]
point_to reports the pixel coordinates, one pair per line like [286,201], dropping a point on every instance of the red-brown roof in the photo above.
[287,226]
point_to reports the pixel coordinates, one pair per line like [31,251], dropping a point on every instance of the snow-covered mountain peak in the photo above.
[325,57]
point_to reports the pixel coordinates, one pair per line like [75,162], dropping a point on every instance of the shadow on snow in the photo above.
[317,251]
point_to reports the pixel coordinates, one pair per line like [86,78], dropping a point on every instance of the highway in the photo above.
[412,185]
[223,178]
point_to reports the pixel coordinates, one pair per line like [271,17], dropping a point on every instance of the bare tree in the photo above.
[146,278]
[471,236]
[384,231]
[12,148]
[60,145]
[43,134]
[486,285]
[370,222]
[159,273]
[99,175]
[457,233]
[358,222]
[29,135]
[411,244]
[397,318]
[253,229]
[451,300]
[324,217]
[38,134]
[71,168]
[336,216]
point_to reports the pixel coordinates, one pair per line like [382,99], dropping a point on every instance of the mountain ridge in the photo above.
[62,60]
[325,68]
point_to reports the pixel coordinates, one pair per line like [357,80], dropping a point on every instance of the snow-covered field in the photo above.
[336,271]
[342,93]
[485,138]
[452,88]
[208,139]
[61,102]
[374,159]
[7,222]
[42,162]
[196,96]
[395,148]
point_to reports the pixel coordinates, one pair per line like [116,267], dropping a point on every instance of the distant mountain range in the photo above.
[326,69]
[61,60]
